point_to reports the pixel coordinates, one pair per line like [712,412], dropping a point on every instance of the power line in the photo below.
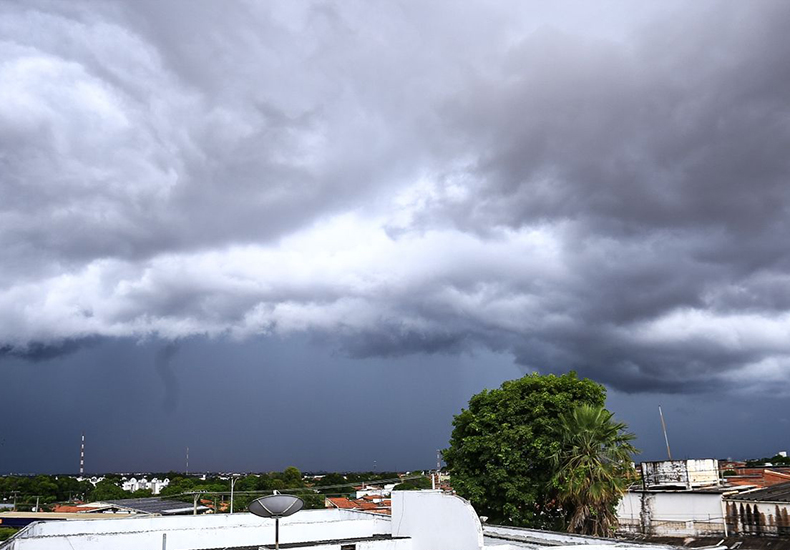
[315,488]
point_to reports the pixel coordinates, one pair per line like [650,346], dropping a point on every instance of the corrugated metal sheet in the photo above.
[776,493]
[155,505]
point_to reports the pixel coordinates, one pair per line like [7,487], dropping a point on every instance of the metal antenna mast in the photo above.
[187,461]
[664,427]
[82,455]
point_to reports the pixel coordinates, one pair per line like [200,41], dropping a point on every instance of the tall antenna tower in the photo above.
[438,460]
[82,455]
[664,427]
[187,460]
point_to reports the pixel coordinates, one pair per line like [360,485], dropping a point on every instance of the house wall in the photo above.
[671,513]
[758,518]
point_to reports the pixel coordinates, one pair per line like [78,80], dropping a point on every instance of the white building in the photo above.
[421,520]
[372,490]
[674,513]
[134,484]
[679,498]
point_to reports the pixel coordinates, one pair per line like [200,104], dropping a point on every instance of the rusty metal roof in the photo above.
[775,493]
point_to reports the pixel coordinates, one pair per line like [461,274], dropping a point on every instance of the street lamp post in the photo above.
[233,481]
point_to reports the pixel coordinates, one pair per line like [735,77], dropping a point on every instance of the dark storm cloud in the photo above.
[37,351]
[605,195]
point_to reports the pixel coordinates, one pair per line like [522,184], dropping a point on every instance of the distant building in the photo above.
[760,476]
[731,465]
[366,490]
[134,484]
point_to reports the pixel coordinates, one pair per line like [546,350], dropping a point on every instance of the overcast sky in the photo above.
[367,211]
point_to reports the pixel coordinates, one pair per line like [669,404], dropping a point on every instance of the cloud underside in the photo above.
[611,204]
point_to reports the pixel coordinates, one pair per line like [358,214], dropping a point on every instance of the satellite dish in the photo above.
[276,506]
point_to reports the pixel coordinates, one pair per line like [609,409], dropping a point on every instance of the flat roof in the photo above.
[63,515]
[310,543]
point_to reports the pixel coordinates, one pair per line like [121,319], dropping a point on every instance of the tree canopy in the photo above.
[593,468]
[415,484]
[502,448]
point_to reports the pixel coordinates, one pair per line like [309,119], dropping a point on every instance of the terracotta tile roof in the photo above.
[358,504]
[68,509]
[364,505]
[760,478]
[341,502]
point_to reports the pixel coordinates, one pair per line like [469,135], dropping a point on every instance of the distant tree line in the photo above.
[777,460]
[51,489]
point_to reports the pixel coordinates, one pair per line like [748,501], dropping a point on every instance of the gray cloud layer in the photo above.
[604,190]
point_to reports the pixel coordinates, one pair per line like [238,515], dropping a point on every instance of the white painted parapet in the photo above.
[436,521]
[196,532]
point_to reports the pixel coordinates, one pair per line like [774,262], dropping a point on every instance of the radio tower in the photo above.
[187,460]
[82,455]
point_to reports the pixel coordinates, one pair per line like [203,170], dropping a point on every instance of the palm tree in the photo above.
[593,468]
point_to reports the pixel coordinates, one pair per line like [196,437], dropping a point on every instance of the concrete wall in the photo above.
[436,521]
[196,532]
[758,518]
[671,513]
[687,473]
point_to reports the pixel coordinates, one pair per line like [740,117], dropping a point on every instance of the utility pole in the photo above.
[194,504]
[664,427]
[15,493]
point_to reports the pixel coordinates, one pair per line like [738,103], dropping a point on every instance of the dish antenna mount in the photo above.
[276,506]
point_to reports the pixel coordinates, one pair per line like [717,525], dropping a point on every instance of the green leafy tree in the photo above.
[593,468]
[501,448]
[337,485]
[413,484]
[7,532]
[107,490]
